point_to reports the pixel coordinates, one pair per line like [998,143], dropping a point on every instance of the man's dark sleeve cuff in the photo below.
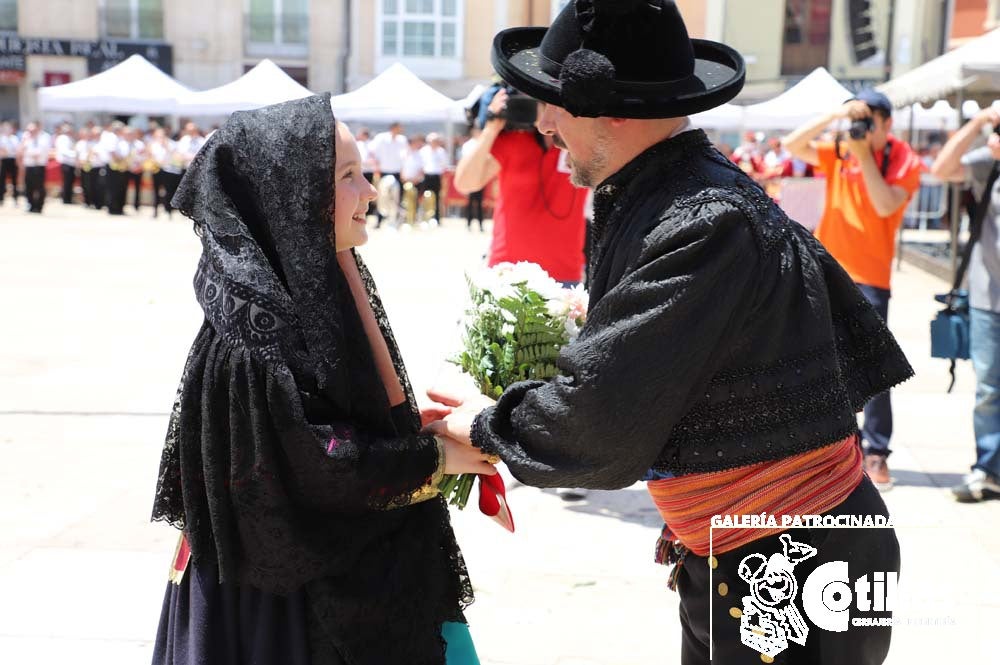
[491,430]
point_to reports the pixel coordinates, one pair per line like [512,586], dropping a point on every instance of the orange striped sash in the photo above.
[810,483]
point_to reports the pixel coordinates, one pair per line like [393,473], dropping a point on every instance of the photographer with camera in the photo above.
[957,162]
[870,177]
[539,214]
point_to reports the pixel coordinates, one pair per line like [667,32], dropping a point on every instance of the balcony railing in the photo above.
[129,24]
[276,34]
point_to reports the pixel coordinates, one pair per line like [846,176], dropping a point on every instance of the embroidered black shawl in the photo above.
[283,462]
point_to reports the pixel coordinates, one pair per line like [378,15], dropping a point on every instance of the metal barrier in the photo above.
[928,207]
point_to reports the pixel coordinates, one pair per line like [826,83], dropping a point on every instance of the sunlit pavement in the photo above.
[97,316]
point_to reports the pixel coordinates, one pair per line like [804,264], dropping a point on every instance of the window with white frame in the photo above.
[8,15]
[133,19]
[278,26]
[420,30]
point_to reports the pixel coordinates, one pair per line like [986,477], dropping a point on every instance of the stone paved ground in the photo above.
[97,315]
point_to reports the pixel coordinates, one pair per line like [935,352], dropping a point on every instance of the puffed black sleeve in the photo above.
[649,346]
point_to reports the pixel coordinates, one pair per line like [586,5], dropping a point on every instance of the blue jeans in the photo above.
[984,348]
[877,429]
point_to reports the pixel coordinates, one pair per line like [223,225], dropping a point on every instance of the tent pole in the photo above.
[956,213]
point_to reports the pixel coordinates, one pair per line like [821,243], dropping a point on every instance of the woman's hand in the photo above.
[429,414]
[462,458]
[457,426]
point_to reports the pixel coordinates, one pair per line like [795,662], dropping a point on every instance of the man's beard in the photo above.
[586,175]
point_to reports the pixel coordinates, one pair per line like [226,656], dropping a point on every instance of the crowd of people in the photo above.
[109,165]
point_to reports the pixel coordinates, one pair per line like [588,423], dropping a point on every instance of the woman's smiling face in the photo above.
[353,193]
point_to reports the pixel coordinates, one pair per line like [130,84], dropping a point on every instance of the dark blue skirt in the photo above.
[207,623]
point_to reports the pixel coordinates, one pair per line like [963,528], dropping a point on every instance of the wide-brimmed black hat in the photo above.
[619,58]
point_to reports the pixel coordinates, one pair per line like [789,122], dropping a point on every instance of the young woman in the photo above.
[294,461]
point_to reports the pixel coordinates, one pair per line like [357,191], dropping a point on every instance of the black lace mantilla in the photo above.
[283,461]
[720,334]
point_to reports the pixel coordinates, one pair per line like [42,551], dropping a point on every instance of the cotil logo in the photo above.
[827,596]
[770,619]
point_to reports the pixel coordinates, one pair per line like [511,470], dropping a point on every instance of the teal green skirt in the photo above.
[461,650]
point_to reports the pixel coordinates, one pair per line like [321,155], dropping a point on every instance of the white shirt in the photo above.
[389,151]
[65,150]
[434,160]
[165,154]
[82,149]
[367,161]
[412,170]
[137,156]
[36,149]
[188,146]
[9,144]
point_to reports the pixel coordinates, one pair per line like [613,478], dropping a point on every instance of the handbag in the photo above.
[950,327]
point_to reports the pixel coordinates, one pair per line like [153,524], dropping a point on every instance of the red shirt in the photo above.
[539,212]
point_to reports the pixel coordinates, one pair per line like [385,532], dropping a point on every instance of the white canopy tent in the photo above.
[263,85]
[973,67]
[725,117]
[397,94]
[817,93]
[134,86]
[941,116]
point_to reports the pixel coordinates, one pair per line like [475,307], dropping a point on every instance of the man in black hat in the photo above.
[725,352]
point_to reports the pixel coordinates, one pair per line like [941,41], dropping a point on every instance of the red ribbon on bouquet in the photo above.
[493,501]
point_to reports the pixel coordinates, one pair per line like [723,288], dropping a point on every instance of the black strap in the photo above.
[976,227]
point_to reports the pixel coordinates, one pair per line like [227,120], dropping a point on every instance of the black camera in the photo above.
[860,128]
[521,111]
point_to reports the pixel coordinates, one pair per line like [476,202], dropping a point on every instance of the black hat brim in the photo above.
[719,75]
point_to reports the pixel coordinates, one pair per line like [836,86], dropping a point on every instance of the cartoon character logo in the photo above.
[770,618]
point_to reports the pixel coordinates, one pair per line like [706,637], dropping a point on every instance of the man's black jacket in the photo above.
[720,334]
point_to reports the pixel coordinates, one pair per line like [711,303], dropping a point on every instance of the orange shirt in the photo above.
[860,239]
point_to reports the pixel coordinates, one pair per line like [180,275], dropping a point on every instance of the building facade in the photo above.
[850,38]
[338,45]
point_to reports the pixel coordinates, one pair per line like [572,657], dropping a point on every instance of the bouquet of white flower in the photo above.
[518,321]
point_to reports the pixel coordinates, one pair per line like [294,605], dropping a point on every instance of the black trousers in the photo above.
[432,183]
[372,208]
[866,552]
[8,171]
[474,209]
[117,187]
[34,185]
[165,186]
[135,181]
[68,180]
[99,186]
[85,186]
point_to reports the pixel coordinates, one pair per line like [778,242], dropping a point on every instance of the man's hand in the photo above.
[988,116]
[462,458]
[453,399]
[854,110]
[497,106]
